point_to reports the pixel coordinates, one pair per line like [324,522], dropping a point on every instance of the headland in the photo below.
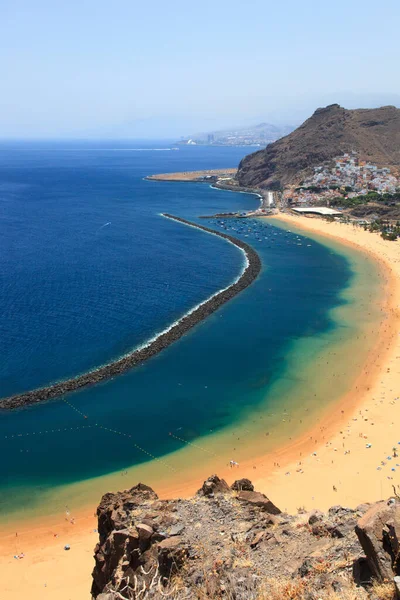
[208,175]
[223,179]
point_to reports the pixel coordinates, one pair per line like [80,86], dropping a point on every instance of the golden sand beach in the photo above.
[347,457]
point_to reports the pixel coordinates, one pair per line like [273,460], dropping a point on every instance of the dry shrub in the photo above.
[384,591]
[276,589]
[280,589]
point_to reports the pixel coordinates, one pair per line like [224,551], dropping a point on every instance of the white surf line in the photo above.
[150,341]
[50,390]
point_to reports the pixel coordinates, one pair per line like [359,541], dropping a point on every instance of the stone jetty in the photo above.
[163,340]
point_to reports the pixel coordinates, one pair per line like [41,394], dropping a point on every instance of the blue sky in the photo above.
[170,67]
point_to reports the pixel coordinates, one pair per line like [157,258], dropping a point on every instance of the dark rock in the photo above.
[378,531]
[145,531]
[342,528]
[120,542]
[338,510]
[323,528]
[305,568]
[337,531]
[260,500]
[362,573]
[112,552]
[242,485]
[171,556]
[158,536]
[126,541]
[319,529]
[140,493]
[114,510]
[315,516]
[214,485]
[145,534]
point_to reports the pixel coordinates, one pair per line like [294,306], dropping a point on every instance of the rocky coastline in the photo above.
[162,341]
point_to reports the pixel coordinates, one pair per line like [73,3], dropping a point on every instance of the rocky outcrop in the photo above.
[379,534]
[330,132]
[214,485]
[242,485]
[260,500]
[233,542]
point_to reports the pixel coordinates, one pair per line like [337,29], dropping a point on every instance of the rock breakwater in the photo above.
[159,342]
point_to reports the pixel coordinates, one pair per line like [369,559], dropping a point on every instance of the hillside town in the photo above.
[347,175]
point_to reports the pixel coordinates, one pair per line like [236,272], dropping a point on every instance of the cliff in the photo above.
[234,543]
[332,131]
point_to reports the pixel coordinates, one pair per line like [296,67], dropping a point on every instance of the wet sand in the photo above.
[342,470]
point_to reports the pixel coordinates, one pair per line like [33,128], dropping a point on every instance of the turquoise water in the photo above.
[76,292]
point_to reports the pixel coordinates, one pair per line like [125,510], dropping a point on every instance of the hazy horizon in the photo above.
[92,71]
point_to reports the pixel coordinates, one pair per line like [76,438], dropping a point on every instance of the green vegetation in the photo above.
[389,235]
[364,199]
[387,231]
[348,202]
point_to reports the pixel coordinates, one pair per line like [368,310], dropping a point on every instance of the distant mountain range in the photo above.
[332,131]
[261,134]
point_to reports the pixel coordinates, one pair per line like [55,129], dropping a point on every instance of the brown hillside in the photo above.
[330,132]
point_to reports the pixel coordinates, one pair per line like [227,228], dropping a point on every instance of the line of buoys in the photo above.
[128,435]
[19,435]
[191,444]
[74,408]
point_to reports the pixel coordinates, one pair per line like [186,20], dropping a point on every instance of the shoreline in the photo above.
[354,474]
[334,448]
[160,341]
[362,416]
[323,434]
[311,488]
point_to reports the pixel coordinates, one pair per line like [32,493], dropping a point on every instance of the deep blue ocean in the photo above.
[89,270]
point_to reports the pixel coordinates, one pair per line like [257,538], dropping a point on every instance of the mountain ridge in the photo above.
[374,134]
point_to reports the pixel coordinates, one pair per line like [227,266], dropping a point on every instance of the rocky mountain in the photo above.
[233,543]
[332,131]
